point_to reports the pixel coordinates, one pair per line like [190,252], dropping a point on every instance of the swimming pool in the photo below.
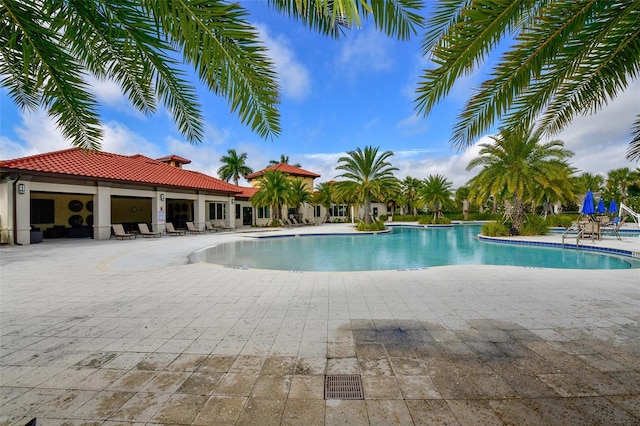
[402,248]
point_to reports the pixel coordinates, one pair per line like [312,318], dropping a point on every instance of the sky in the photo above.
[337,95]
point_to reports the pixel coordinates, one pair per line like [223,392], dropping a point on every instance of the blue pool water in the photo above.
[403,248]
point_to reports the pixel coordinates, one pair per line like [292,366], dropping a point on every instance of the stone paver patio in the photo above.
[128,332]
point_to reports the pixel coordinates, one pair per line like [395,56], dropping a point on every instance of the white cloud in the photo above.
[367,51]
[294,76]
[599,141]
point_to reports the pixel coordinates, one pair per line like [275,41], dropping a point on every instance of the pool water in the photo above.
[403,248]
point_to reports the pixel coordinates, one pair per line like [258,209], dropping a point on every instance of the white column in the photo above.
[231,212]
[199,211]
[102,213]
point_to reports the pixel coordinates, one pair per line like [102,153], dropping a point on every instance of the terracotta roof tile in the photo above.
[285,168]
[104,165]
[247,192]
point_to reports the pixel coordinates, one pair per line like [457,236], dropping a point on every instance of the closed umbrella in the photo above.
[587,204]
[601,208]
[613,207]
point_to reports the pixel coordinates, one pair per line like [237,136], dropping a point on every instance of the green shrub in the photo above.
[374,226]
[495,229]
[405,218]
[428,220]
[561,220]
[534,225]
[383,217]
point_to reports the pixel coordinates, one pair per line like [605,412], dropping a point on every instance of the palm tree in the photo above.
[274,192]
[589,181]
[233,166]
[619,179]
[570,57]
[47,48]
[368,177]
[461,198]
[300,194]
[515,168]
[436,192]
[284,159]
[410,187]
[324,197]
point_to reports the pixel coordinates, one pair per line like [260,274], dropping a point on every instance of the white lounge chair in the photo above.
[146,233]
[171,230]
[119,232]
[192,229]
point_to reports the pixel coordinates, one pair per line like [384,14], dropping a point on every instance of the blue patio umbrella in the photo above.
[613,207]
[601,208]
[587,204]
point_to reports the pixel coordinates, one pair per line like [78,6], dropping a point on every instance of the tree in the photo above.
[436,192]
[368,177]
[300,194]
[47,48]
[410,187]
[516,166]
[233,166]
[570,57]
[588,181]
[274,192]
[324,197]
[619,179]
[284,159]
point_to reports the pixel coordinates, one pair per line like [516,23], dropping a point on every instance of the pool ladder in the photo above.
[575,227]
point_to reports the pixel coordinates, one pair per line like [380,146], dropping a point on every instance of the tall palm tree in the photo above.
[368,177]
[410,188]
[284,159]
[619,179]
[300,194]
[436,192]
[47,47]
[324,197]
[516,166]
[233,166]
[589,181]
[274,192]
[570,57]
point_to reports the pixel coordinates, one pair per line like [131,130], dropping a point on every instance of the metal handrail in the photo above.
[575,226]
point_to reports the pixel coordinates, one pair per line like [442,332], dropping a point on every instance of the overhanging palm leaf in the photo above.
[569,57]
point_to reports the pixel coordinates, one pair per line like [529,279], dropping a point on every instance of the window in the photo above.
[238,215]
[316,211]
[217,211]
[338,211]
[263,213]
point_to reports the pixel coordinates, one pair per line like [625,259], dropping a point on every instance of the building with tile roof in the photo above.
[80,193]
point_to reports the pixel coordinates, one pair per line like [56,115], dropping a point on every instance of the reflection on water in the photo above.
[404,248]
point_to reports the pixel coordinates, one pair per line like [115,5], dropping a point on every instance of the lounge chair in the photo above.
[208,226]
[144,231]
[169,229]
[192,229]
[224,226]
[119,232]
[308,222]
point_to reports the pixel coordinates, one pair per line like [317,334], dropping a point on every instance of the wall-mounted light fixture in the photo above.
[161,197]
[21,188]
[233,201]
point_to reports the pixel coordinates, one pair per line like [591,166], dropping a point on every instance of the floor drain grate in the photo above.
[343,386]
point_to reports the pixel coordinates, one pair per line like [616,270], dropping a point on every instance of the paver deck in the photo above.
[128,332]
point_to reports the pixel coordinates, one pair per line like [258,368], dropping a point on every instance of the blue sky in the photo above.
[337,95]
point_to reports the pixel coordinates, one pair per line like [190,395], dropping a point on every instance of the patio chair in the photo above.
[169,229]
[119,232]
[592,230]
[208,226]
[146,233]
[224,226]
[192,229]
